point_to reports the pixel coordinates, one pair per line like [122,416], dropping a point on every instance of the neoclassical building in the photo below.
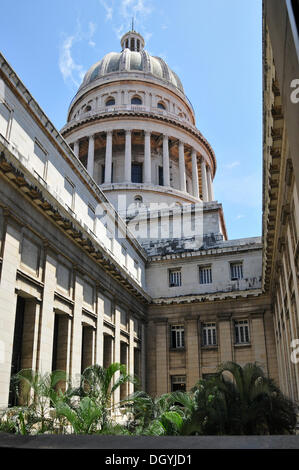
[112,245]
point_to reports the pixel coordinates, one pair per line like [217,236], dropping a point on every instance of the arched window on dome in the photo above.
[161,105]
[88,108]
[127,44]
[110,102]
[136,100]
[138,45]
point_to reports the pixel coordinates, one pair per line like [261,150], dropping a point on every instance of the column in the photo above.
[30,334]
[182,168]
[143,358]
[195,174]
[166,178]
[210,185]
[128,157]
[258,339]
[131,354]
[8,301]
[90,157]
[108,158]
[225,337]
[192,352]
[99,331]
[47,315]
[76,349]
[147,157]
[76,148]
[162,371]
[204,183]
[117,351]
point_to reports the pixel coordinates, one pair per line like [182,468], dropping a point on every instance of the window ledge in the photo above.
[210,346]
[242,345]
[177,349]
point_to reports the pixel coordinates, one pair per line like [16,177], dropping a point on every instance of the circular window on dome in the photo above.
[110,102]
[88,108]
[136,100]
[161,105]
[138,198]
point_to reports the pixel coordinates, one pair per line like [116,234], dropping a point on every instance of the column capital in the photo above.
[147,133]
[110,132]
[128,131]
[91,136]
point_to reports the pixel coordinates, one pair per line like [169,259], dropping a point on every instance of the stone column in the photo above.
[117,351]
[47,315]
[8,302]
[30,334]
[182,168]
[128,157]
[192,352]
[195,174]
[99,332]
[258,339]
[166,178]
[204,183]
[147,158]
[108,158]
[143,358]
[225,337]
[76,148]
[162,357]
[90,156]
[76,350]
[210,185]
[131,353]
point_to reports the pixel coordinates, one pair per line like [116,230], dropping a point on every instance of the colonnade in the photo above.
[206,177]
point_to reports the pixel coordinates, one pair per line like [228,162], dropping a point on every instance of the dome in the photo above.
[132,58]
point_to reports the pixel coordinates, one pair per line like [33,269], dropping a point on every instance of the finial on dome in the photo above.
[132,40]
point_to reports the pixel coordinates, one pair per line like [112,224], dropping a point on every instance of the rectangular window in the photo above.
[209,337]
[236,271]
[92,218]
[177,336]
[205,275]
[137,173]
[161,181]
[123,318]
[175,278]
[241,332]
[137,270]
[124,253]
[69,195]
[178,383]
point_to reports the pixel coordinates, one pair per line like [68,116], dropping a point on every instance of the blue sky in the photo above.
[214,46]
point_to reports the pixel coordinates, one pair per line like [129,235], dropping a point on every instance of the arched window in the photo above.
[110,102]
[138,199]
[161,105]
[136,100]
[127,44]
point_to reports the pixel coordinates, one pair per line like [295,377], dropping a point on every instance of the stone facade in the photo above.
[281,184]
[83,281]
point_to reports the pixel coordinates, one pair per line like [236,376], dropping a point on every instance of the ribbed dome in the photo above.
[132,61]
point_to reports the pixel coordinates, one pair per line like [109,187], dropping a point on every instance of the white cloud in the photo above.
[240,216]
[108,9]
[92,28]
[67,65]
[232,165]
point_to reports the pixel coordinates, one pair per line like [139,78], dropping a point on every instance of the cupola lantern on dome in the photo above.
[133,41]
